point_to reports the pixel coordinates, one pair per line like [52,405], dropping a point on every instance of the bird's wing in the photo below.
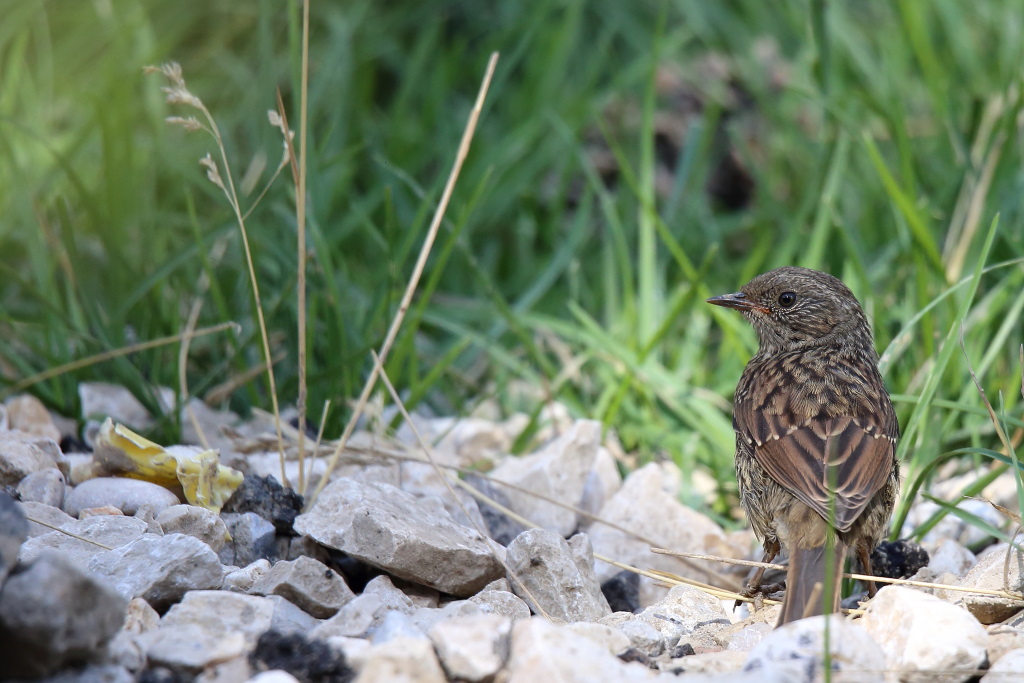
[834,464]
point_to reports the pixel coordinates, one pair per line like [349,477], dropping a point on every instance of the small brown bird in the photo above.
[815,433]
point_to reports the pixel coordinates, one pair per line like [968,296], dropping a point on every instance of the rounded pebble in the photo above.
[128,495]
[45,486]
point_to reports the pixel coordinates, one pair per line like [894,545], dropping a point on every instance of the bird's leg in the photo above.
[864,556]
[754,589]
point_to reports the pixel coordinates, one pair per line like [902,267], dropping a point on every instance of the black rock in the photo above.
[898,559]
[635,655]
[310,661]
[72,444]
[622,592]
[684,650]
[268,499]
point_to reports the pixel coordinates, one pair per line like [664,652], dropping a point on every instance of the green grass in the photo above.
[881,138]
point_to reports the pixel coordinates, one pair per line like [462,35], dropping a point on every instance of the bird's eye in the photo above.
[787,299]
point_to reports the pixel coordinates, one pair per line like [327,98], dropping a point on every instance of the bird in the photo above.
[816,434]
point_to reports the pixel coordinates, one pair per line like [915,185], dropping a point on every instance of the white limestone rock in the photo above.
[415,539]
[921,634]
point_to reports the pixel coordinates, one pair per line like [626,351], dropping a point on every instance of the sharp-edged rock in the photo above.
[415,539]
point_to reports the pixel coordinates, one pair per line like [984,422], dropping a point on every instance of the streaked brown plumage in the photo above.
[815,432]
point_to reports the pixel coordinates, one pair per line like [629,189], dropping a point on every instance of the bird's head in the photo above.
[792,308]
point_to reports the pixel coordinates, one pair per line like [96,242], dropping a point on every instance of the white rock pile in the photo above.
[388,577]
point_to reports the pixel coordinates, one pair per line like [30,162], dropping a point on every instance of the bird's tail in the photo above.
[808,592]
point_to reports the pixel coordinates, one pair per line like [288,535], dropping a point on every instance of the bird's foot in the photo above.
[758,592]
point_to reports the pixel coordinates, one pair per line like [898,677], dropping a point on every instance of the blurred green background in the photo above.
[632,159]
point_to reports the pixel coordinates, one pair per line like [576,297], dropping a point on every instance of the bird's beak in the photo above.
[739,301]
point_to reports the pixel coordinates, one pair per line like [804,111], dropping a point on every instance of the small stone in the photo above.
[503,603]
[52,614]
[207,627]
[926,575]
[472,648]
[55,517]
[195,521]
[289,618]
[101,511]
[414,539]
[190,649]
[724,662]
[951,557]
[23,454]
[109,531]
[396,624]
[147,513]
[402,660]
[311,585]
[127,495]
[354,649]
[123,648]
[921,634]
[1004,638]
[241,580]
[796,650]
[542,651]
[45,486]
[559,471]
[560,579]
[683,612]
[160,569]
[744,639]
[614,641]
[498,585]
[252,538]
[358,617]
[26,413]
[756,621]
[383,587]
[421,596]
[425,618]
[998,569]
[231,671]
[140,617]
[640,633]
